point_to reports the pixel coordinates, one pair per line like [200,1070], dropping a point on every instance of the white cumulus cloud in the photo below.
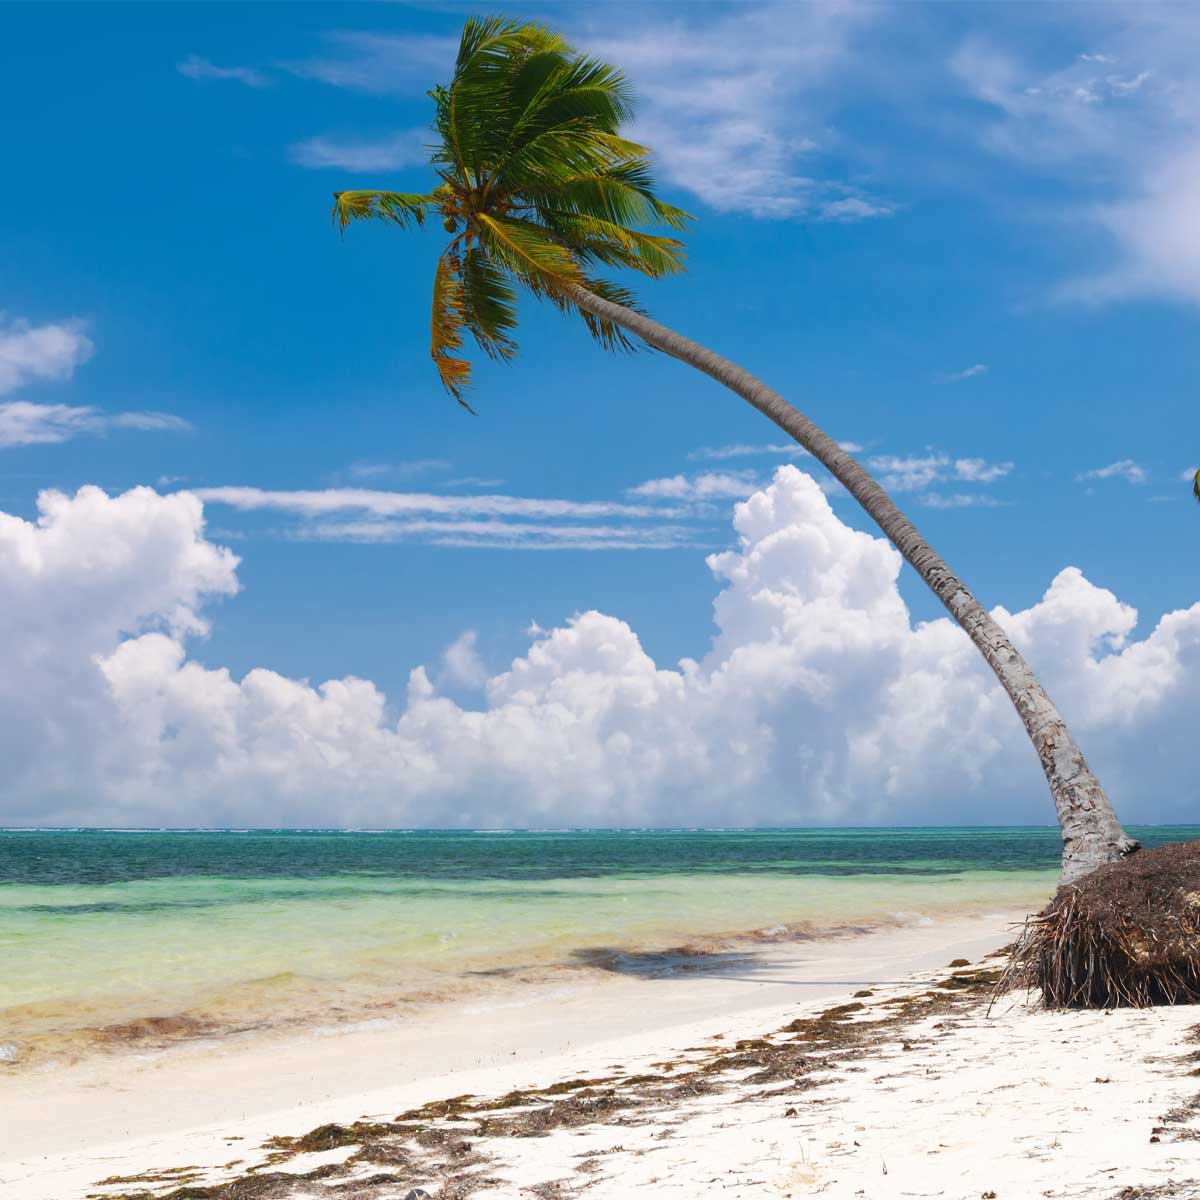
[818,700]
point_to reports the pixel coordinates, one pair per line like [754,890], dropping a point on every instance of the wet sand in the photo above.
[65,1129]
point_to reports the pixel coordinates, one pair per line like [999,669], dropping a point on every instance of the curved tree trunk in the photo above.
[1092,835]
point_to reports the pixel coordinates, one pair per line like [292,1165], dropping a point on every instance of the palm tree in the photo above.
[538,192]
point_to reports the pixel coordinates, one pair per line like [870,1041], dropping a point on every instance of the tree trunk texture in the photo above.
[1091,832]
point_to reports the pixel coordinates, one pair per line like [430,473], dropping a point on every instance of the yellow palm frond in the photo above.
[446,328]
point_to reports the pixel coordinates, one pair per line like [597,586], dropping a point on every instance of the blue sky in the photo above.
[960,237]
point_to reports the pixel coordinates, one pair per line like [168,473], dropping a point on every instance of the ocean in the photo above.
[138,938]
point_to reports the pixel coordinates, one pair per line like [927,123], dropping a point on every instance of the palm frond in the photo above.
[566,90]
[608,242]
[623,194]
[610,335]
[399,208]
[573,148]
[446,327]
[525,249]
[489,304]
[1196,485]
[538,189]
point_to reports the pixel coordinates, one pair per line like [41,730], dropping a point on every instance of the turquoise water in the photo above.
[222,931]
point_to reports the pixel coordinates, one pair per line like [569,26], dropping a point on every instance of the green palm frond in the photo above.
[1196,484]
[649,253]
[400,208]
[529,253]
[489,304]
[537,187]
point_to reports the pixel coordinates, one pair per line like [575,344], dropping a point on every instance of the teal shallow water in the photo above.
[226,930]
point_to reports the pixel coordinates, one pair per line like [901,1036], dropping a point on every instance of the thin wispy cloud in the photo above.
[197,67]
[1118,131]
[1124,468]
[397,470]
[501,534]
[853,208]
[759,450]
[322,502]
[404,149]
[474,481]
[960,500]
[379,64]
[737,106]
[967,373]
[979,470]
[708,485]
[38,353]
[485,521]
[740,107]
[921,473]
[23,423]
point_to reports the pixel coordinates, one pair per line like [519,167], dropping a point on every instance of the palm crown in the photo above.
[538,189]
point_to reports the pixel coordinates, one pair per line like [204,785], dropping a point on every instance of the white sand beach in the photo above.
[893,1100]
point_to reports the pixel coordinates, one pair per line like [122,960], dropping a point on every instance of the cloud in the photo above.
[966,373]
[853,208]
[740,107]
[960,500]
[708,485]
[478,481]
[403,149]
[318,503]
[818,701]
[1120,142]
[33,353]
[917,472]
[742,450]
[736,106]
[380,64]
[400,470]
[1125,468]
[501,535]
[482,521]
[23,423]
[978,470]
[196,67]
[461,664]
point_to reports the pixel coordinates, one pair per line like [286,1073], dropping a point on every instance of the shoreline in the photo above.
[863,1067]
[67,1128]
[290,1004]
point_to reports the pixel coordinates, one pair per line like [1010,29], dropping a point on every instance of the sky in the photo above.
[257,569]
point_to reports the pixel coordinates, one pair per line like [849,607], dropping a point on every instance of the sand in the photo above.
[957,1103]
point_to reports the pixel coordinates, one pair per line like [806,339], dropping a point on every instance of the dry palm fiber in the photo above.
[1128,934]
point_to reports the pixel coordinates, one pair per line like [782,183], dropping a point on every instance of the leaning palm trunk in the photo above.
[539,190]
[1091,833]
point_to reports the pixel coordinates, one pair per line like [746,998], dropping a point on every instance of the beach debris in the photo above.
[447,1146]
[1127,934]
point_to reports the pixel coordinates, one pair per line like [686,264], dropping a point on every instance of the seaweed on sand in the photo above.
[443,1145]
